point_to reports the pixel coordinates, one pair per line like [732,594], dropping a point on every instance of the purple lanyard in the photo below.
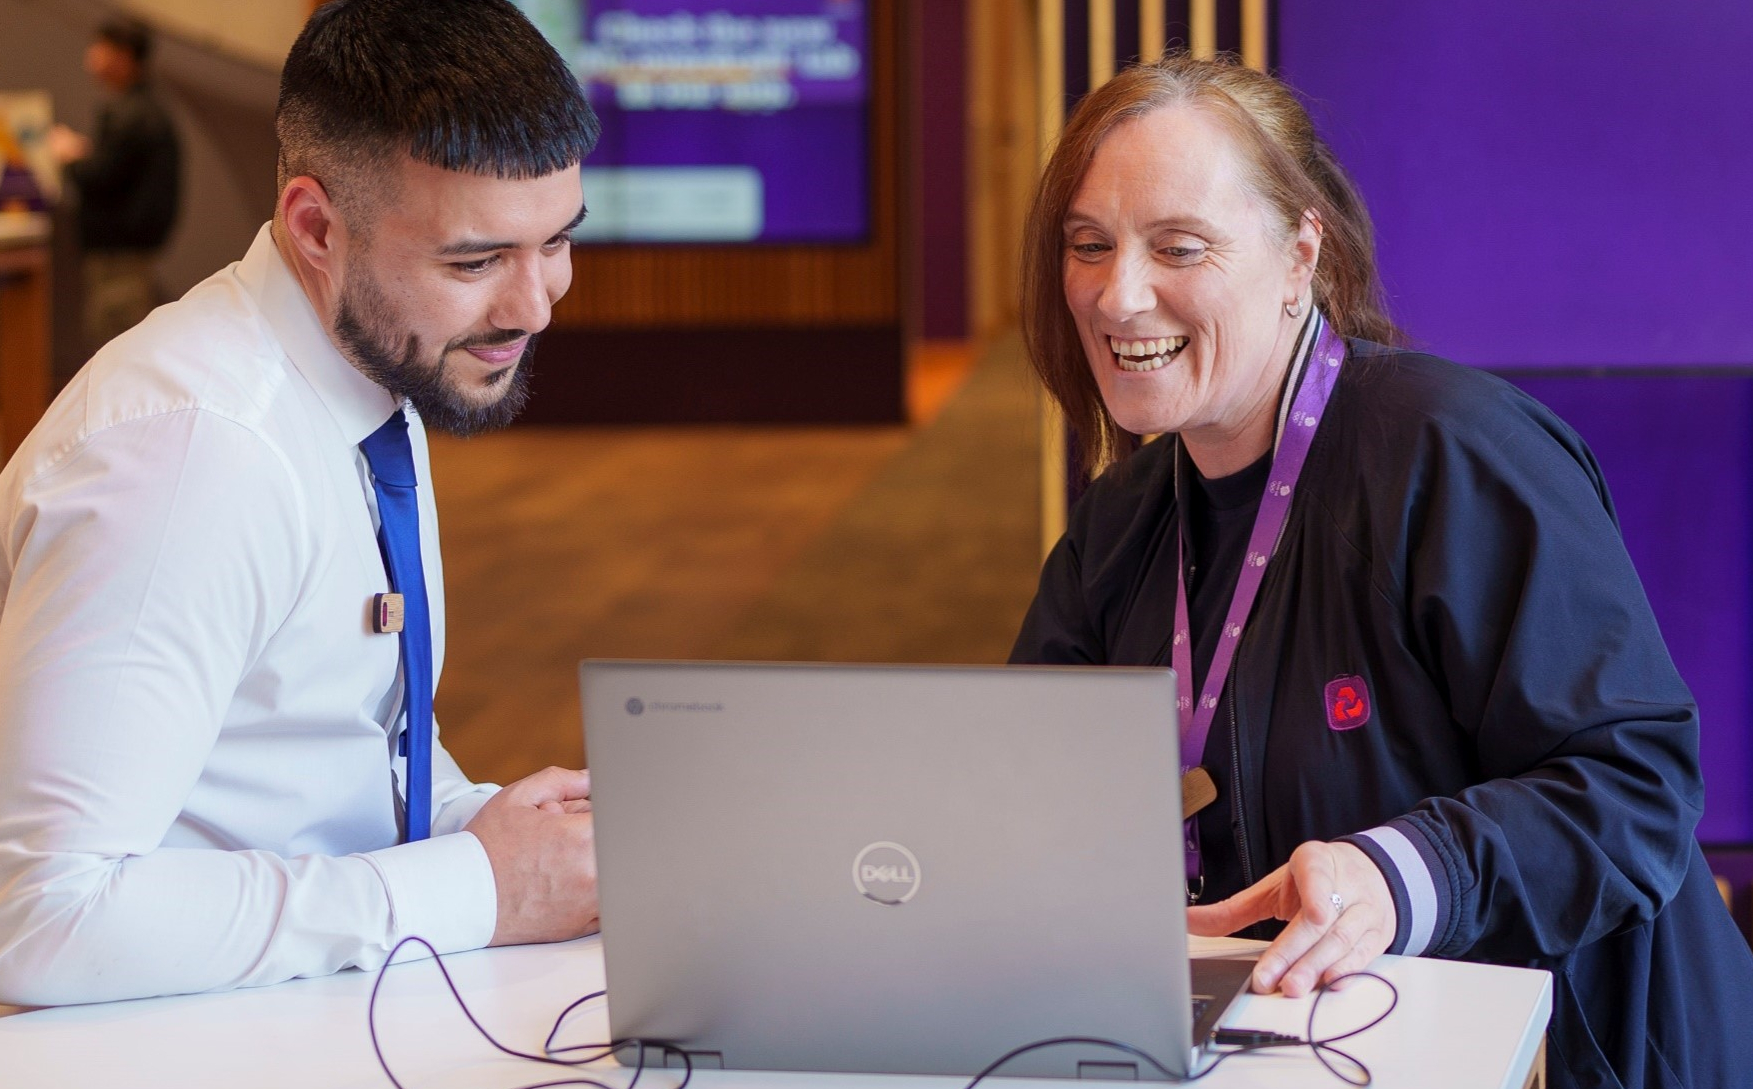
[1310,402]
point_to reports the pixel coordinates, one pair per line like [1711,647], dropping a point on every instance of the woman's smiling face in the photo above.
[1178,279]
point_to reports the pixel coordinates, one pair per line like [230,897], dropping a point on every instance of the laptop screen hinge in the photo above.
[1107,1071]
[699,1060]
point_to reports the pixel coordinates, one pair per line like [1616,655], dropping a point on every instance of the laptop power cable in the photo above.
[574,1056]
[1232,1042]
[1341,1064]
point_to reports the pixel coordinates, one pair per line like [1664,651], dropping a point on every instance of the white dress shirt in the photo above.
[197,724]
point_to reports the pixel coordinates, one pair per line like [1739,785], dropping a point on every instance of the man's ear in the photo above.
[314,227]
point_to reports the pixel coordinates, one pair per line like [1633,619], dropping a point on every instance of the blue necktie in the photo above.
[398,509]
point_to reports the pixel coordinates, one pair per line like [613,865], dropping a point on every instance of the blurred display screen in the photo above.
[723,120]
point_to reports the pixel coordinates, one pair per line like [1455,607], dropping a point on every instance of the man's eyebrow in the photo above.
[465,246]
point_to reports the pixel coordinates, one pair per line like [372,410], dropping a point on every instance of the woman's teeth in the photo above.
[1145,355]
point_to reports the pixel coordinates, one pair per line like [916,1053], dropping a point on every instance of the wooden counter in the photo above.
[25,364]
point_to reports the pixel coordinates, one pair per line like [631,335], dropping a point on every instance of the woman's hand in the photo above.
[1326,937]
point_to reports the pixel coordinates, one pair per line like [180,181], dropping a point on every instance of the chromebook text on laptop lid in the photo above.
[891,869]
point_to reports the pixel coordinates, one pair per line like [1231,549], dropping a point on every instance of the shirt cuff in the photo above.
[1407,863]
[440,889]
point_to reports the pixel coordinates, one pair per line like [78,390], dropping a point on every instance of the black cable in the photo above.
[1088,1041]
[1259,1040]
[548,1054]
[1323,1046]
[1266,1041]
[605,1050]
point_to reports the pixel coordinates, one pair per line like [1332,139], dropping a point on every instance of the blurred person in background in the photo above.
[129,179]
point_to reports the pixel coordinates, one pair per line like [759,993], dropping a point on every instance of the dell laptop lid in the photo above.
[892,869]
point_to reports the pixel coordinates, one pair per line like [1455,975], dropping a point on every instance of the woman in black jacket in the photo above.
[1414,657]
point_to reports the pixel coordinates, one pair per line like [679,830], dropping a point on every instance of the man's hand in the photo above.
[67,146]
[540,837]
[1322,942]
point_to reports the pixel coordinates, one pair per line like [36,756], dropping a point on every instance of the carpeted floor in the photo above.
[825,544]
[935,560]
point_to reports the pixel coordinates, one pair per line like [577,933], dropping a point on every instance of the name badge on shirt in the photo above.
[386,613]
[1197,791]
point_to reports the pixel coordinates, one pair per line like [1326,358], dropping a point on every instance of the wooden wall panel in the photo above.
[1003,157]
[25,361]
[630,286]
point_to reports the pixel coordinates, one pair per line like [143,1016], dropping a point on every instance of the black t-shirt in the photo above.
[1219,518]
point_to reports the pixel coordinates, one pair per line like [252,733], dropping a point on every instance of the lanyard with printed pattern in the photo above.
[1306,410]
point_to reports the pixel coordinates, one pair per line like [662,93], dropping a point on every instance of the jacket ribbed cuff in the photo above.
[1408,864]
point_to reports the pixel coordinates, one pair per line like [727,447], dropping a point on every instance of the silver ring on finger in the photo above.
[1337,901]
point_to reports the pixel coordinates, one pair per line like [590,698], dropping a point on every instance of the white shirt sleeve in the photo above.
[147,570]
[455,800]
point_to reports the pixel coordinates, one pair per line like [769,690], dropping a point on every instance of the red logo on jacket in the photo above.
[1348,702]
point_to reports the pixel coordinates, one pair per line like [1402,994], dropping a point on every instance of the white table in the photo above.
[1458,1025]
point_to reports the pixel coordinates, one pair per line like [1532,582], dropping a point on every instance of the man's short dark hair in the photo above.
[465,85]
[131,36]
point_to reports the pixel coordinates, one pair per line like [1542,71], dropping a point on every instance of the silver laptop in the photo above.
[884,869]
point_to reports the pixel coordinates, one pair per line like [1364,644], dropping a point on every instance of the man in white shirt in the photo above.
[200,785]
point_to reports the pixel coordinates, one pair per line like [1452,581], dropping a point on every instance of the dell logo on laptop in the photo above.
[886,873]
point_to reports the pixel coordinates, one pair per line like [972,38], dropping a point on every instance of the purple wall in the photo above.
[1688,523]
[1562,186]
[1564,182]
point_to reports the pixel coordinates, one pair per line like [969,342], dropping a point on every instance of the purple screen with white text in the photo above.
[723,120]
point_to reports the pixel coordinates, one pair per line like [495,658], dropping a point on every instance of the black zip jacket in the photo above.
[129,186]
[1451,664]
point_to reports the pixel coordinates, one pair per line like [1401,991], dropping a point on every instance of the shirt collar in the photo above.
[359,405]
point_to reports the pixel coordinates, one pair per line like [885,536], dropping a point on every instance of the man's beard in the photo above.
[365,328]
